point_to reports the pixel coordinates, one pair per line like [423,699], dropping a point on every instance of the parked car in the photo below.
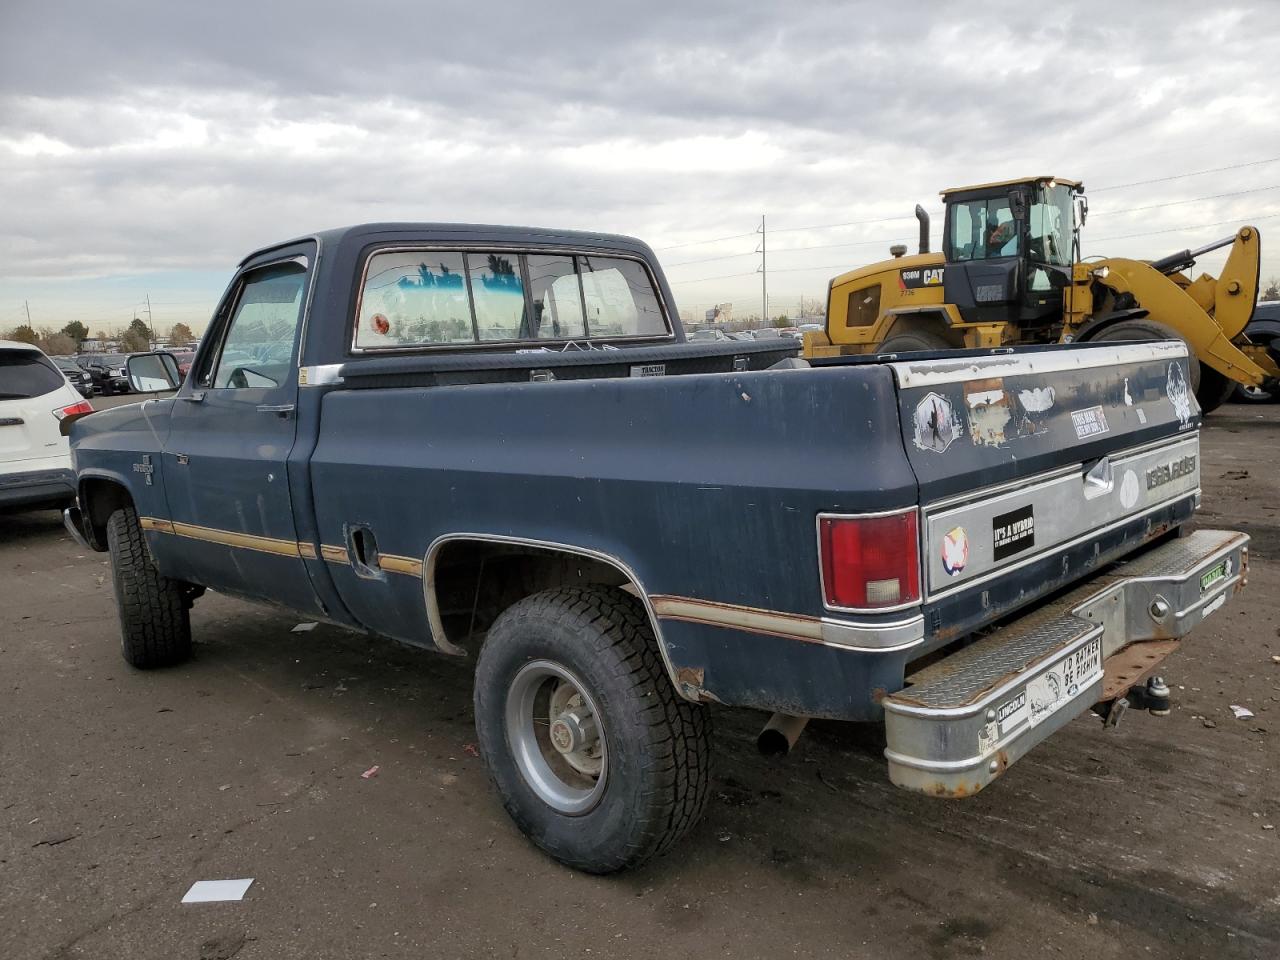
[442,451]
[707,336]
[766,333]
[35,459]
[1263,328]
[183,356]
[75,374]
[107,371]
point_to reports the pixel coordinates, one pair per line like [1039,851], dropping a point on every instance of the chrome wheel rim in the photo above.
[557,737]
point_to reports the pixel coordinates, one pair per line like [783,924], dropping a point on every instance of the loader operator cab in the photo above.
[1009,248]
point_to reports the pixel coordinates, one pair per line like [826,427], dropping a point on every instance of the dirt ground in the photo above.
[118,789]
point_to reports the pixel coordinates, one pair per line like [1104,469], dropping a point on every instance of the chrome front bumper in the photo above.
[963,720]
[72,520]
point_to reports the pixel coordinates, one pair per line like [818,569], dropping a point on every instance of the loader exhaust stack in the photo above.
[924,228]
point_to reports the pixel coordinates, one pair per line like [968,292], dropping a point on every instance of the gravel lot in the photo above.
[118,789]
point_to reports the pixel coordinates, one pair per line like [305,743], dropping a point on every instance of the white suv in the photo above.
[35,396]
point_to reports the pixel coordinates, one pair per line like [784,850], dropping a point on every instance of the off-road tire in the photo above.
[1210,387]
[155,627]
[1215,389]
[658,745]
[912,341]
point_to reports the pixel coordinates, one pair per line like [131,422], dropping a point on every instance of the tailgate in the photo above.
[1021,456]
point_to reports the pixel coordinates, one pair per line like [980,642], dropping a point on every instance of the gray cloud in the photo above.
[157,136]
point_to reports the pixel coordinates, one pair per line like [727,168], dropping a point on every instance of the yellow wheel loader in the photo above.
[1010,272]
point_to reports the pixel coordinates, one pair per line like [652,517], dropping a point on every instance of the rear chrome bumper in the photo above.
[963,720]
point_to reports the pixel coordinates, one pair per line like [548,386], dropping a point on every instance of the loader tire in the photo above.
[1215,389]
[594,755]
[1210,387]
[914,341]
[155,626]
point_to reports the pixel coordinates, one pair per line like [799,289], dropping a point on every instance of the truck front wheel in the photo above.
[155,628]
[594,756]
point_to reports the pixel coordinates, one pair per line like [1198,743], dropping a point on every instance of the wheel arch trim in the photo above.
[91,522]
[433,609]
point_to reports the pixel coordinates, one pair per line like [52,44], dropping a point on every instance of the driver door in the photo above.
[226,459]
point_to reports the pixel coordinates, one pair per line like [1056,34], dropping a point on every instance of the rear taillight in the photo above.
[870,563]
[76,409]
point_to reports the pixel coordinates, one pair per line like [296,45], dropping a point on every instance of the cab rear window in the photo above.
[441,298]
[25,374]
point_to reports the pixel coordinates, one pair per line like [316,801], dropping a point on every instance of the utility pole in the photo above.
[151,330]
[28,309]
[764,270]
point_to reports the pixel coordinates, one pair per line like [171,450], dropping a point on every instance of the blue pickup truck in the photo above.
[497,442]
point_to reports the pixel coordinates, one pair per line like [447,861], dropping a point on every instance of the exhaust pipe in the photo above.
[780,734]
[924,228]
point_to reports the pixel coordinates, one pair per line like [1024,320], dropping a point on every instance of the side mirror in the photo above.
[153,373]
[1018,204]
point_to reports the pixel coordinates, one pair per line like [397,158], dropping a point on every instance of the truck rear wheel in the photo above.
[594,756]
[155,626]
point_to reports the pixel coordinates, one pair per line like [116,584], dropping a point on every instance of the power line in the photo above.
[1183,176]
[699,243]
[1117,186]
[1174,203]
[730,256]
[847,223]
[724,276]
[1184,229]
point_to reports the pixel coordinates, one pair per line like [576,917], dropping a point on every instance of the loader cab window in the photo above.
[1051,225]
[983,230]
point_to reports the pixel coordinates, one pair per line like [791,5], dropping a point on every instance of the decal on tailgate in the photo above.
[1013,532]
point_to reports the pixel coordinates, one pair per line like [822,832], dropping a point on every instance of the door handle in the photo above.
[196,396]
[280,409]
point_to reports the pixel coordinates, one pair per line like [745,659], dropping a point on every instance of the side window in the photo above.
[258,346]
[497,292]
[414,298]
[556,298]
[421,298]
[620,300]
[963,236]
[983,230]
[864,307]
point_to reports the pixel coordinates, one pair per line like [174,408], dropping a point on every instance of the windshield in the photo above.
[1049,232]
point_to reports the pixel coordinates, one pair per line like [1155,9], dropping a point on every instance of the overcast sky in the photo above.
[146,146]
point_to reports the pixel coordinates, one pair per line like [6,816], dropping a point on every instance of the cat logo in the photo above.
[918,277]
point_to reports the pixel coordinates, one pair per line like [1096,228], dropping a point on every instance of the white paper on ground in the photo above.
[303,628]
[210,891]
